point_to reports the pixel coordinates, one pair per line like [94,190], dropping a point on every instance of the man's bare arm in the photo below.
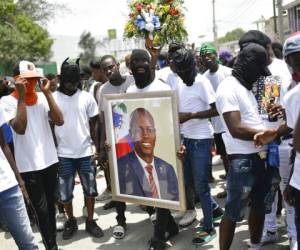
[236,128]
[183,117]
[19,122]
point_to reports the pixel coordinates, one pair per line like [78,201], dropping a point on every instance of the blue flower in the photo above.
[140,22]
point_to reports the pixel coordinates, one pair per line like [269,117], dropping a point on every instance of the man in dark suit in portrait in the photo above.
[140,172]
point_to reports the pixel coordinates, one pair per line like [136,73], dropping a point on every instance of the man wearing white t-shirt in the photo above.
[269,92]
[74,147]
[145,81]
[35,152]
[196,105]
[116,84]
[216,73]
[13,211]
[291,52]
[247,176]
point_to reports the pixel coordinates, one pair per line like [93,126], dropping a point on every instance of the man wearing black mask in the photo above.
[144,75]
[196,105]
[74,147]
[247,176]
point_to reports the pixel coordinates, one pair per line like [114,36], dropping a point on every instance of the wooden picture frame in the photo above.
[134,138]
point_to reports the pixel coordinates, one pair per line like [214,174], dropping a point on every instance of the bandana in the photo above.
[31,96]
[207,48]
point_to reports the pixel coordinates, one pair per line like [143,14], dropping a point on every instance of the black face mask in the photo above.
[188,77]
[141,79]
[251,65]
[69,78]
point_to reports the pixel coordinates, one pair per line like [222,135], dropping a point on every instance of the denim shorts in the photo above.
[248,182]
[66,174]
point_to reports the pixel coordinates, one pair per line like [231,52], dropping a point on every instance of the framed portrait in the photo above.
[143,133]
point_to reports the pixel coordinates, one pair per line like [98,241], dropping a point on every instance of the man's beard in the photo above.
[142,79]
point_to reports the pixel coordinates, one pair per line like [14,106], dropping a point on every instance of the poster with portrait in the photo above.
[143,133]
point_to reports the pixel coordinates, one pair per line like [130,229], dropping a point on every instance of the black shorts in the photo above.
[220,146]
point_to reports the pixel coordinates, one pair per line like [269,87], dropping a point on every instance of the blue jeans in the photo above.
[196,170]
[66,173]
[248,179]
[14,215]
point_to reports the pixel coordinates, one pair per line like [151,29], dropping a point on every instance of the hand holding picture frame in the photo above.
[143,131]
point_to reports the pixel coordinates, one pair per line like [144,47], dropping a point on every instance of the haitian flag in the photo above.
[123,140]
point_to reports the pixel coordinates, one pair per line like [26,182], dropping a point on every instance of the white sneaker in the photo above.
[293,244]
[269,237]
[60,221]
[106,195]
[188,218]
[178,214]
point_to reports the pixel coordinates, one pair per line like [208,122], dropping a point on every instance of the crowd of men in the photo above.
[246,106]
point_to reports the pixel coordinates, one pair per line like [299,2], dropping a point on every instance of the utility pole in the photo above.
[280,20]
[274,17]
[214,24]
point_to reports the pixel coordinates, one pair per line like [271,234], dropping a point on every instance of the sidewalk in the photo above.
[139,229]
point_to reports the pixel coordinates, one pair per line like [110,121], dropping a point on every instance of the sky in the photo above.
[97,16]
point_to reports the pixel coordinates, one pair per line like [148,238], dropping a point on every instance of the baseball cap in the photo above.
[254,36]
[27,69]
[291,44]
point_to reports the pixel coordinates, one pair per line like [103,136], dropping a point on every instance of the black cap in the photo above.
[254,36]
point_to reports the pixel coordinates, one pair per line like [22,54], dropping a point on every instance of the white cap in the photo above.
[28,70]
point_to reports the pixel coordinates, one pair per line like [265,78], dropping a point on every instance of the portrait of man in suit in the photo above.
[140,172]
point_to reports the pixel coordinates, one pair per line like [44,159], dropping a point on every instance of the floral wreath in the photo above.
[160,21]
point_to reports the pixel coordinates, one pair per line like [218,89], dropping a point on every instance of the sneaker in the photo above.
[92,228]
[178,214]
[269,237]
[70,228]
[217,215]
[60,221]
[188,218]
[106,195]
[202,237]
[293,244]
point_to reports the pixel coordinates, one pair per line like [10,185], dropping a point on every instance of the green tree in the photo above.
[88,44]
[21,37]
[232,35]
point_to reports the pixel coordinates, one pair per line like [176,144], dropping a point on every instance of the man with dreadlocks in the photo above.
[35,152]
[74,147]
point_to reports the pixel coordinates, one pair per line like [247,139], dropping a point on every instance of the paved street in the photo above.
[139,229]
